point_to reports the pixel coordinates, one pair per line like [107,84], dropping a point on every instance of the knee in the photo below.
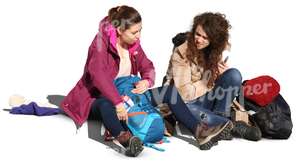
[166,94]
[103,104]
[233,76]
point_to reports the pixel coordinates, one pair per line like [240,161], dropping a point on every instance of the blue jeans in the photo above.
[214,106]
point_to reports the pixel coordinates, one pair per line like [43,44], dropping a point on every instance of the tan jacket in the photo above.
[188,77]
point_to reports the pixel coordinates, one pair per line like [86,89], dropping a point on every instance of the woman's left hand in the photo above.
[141,87]
[222,67]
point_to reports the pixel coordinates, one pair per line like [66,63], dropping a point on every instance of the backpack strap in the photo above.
[151,145]
[165,140]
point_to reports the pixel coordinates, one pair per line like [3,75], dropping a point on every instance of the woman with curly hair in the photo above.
[203,79]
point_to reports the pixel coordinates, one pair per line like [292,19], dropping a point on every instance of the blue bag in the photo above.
[143,119]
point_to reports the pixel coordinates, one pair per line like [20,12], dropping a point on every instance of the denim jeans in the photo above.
[214,106]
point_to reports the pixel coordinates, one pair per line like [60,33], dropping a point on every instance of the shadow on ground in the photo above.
[95,126]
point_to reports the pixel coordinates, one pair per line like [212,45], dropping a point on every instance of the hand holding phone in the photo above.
[226,59]
[222,66]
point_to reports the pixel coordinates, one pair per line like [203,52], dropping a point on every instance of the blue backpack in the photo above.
[143,119]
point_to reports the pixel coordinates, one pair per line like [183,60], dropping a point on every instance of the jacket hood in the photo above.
[110,32]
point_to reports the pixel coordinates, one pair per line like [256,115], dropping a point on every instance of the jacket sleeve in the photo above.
[145,67]
[182,76]
[99,69]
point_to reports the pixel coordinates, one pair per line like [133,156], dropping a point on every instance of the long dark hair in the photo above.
[216,28]
[124,16]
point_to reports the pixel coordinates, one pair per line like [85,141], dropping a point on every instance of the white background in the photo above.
[43,47]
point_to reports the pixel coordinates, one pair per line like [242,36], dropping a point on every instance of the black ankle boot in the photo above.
[243,130]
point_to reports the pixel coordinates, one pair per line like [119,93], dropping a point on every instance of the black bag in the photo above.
[274,119]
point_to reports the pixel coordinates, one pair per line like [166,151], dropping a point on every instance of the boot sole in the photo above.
[212,139]
[135,147]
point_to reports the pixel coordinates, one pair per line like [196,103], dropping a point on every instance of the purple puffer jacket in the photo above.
[100,70]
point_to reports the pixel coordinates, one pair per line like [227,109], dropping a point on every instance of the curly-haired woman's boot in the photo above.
[207,137]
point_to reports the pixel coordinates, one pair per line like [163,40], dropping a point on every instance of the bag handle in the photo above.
[238,106]
[240,113]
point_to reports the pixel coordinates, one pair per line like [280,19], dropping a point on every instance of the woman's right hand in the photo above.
[121,112]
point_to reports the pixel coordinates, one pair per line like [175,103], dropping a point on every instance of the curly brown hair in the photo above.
[216,28]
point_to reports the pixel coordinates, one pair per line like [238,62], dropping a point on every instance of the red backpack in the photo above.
[261,90]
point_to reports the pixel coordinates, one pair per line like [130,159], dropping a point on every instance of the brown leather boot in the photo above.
[207,137]
[132,144]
